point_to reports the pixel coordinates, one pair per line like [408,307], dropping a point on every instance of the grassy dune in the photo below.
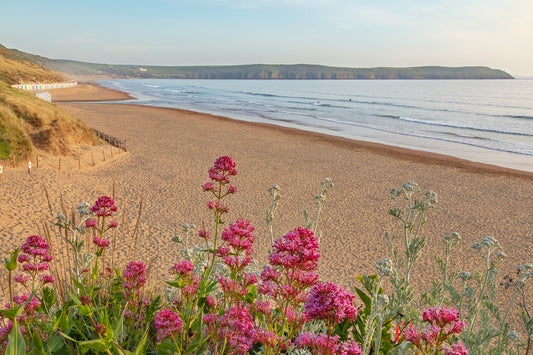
[28,123]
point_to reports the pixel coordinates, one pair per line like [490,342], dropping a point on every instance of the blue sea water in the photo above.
[489,121]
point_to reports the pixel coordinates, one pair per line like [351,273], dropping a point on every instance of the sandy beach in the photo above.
[170,151]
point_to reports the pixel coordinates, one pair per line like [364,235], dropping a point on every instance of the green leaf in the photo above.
[94,344]
[8,313]
[78,284]
[49,297]
[140,347]
[175,284]
[15,341]
[364,297]
[119,327]
[54,343]
[38,342]
[85,310]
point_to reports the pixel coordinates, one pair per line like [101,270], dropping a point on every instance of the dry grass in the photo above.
[14,71]
[27,123]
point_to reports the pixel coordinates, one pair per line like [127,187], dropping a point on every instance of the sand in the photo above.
[170,151]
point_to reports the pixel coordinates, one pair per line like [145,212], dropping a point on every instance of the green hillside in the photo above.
[261,71]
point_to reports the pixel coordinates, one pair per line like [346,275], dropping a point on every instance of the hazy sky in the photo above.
[350,33]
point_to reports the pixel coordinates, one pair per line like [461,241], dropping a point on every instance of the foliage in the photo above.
[218,302]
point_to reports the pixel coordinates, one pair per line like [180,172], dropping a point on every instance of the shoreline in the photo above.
[94,92]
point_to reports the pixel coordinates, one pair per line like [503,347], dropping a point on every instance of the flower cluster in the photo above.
[329,302]
[167,324]
[134,277]
[323,344]
[102,208]
[219,174]
[30,316]
[291,273]
[239,238]
[186,279]
[234,330]
[443,324]
[34,258]
[223,168]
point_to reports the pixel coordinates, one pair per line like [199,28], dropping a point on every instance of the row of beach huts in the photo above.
[35,87]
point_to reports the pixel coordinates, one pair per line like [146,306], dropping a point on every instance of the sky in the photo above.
[346,33]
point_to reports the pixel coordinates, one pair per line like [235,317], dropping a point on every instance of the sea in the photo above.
[487,121]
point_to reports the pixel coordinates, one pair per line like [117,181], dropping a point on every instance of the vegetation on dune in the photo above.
[27,122]
[16,71]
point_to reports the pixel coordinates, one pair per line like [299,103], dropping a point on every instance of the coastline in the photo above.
[93,92]
[170,151]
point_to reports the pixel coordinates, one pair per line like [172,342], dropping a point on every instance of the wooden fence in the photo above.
[121,144]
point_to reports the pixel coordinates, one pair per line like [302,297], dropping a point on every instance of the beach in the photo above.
[170,151]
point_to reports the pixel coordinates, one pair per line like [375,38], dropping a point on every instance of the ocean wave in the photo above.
[525,117]
[462,126]
[480,142]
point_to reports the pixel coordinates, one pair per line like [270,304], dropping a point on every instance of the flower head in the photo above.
[167,324]
[134,277]
[222,169]
[330,302]
[297,249]
[104,207]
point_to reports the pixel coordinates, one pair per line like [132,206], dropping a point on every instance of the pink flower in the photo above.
[239,235]
[456,349]
[297,249]
[440,316]
[209,186]
[100,329]
[204,234]
[134,276]
[350,347]
[85,299]
[222,169]
[236,327]
[102,243]
[113,224]
[218,206]
[104,207]
[167,324]
[22,278]
[91,223]
[328,301]
[183,268]
[318,343]
[34,258]
[23,258]
[232,189]
[47,279]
